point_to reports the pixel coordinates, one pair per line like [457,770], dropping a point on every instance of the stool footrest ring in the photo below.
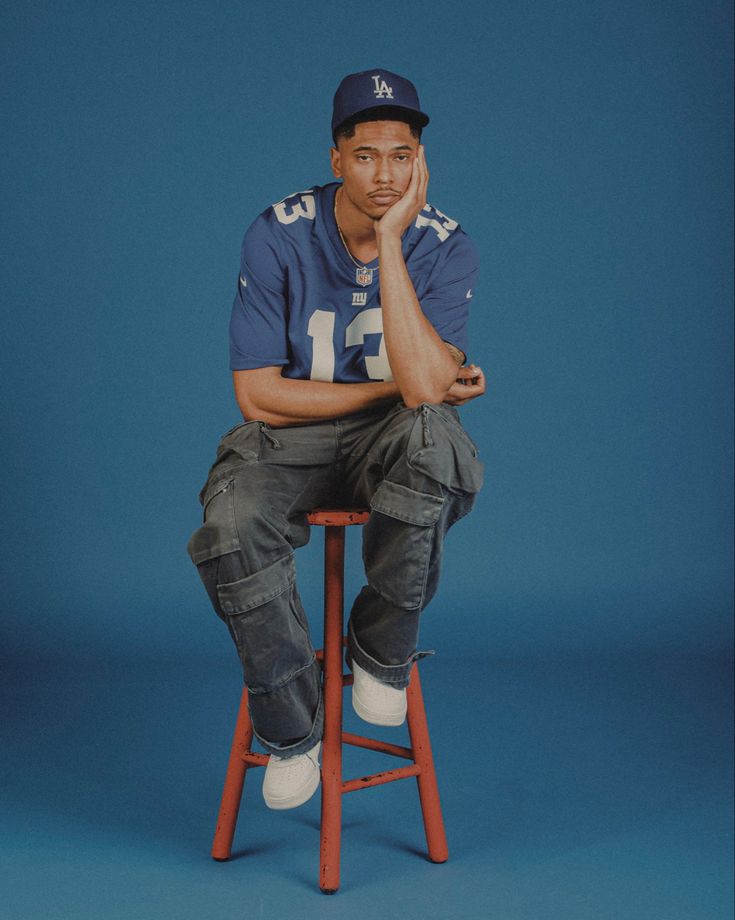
[379,779]
[373,744]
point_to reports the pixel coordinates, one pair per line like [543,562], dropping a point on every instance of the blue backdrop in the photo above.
[586,148]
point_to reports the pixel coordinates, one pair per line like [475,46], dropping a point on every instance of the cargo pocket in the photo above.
[269,625]
[441,449]
[218,534]
[397,543]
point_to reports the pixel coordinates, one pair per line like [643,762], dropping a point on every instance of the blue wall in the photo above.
[586,148]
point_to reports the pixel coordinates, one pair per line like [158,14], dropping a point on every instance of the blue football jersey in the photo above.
[303,303]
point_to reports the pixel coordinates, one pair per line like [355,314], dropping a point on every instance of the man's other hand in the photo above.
[470,383]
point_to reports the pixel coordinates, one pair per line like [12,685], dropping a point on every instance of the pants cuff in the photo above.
[397,675]
[297,747]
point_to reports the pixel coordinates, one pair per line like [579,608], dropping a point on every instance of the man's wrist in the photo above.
[387,236]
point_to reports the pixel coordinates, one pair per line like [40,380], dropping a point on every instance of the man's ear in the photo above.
[334,158]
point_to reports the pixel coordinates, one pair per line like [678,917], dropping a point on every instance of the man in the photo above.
[347,337]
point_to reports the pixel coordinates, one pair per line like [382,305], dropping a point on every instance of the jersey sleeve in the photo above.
[258,324]
[446,303]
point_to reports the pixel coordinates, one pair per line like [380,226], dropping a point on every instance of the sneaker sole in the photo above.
[297,798]
[376,718]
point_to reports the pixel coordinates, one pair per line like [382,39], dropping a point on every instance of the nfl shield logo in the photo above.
[364,276]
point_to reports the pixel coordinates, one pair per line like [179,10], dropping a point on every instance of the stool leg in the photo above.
[232,793]
[418,731]
[331,828]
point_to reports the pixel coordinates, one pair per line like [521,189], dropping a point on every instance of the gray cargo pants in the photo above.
[418,472]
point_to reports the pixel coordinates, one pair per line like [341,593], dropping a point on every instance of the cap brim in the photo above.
[389,112]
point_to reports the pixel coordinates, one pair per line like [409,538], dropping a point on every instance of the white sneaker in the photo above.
[376,702]
[291,781]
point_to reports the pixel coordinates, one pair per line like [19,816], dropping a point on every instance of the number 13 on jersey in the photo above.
[321,330]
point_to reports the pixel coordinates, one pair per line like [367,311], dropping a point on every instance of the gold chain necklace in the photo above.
[354,260]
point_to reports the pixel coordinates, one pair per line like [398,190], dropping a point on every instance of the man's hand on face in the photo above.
[470,383]
[401,214]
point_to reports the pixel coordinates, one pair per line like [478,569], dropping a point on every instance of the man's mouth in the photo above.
[383,197]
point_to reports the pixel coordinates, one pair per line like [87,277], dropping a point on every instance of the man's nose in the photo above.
[383,172]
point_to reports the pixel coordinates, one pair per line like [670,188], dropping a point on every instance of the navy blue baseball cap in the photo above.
[376,91]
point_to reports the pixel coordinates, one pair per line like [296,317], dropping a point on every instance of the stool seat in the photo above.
[334,520]
[338,517]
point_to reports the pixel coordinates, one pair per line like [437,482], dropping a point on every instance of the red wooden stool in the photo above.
[333,786]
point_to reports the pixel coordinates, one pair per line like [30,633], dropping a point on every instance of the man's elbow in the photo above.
[434,392]
[252,408]
[417,398]
[252,412]
[252,395]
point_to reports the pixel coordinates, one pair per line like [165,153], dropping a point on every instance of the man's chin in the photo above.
[376,211]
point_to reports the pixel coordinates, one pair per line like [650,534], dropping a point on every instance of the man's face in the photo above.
[375,165]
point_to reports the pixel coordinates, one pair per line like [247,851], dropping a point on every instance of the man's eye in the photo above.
[402,156]
[364,156]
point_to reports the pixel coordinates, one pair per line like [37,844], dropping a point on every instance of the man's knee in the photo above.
[436,446]
[238,517]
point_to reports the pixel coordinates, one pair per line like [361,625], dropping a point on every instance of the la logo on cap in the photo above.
[382,90]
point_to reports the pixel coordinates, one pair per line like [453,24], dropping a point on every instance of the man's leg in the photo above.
[255,503]
[418,471]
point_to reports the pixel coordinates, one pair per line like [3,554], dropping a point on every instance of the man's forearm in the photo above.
[422,366]
[281,401]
